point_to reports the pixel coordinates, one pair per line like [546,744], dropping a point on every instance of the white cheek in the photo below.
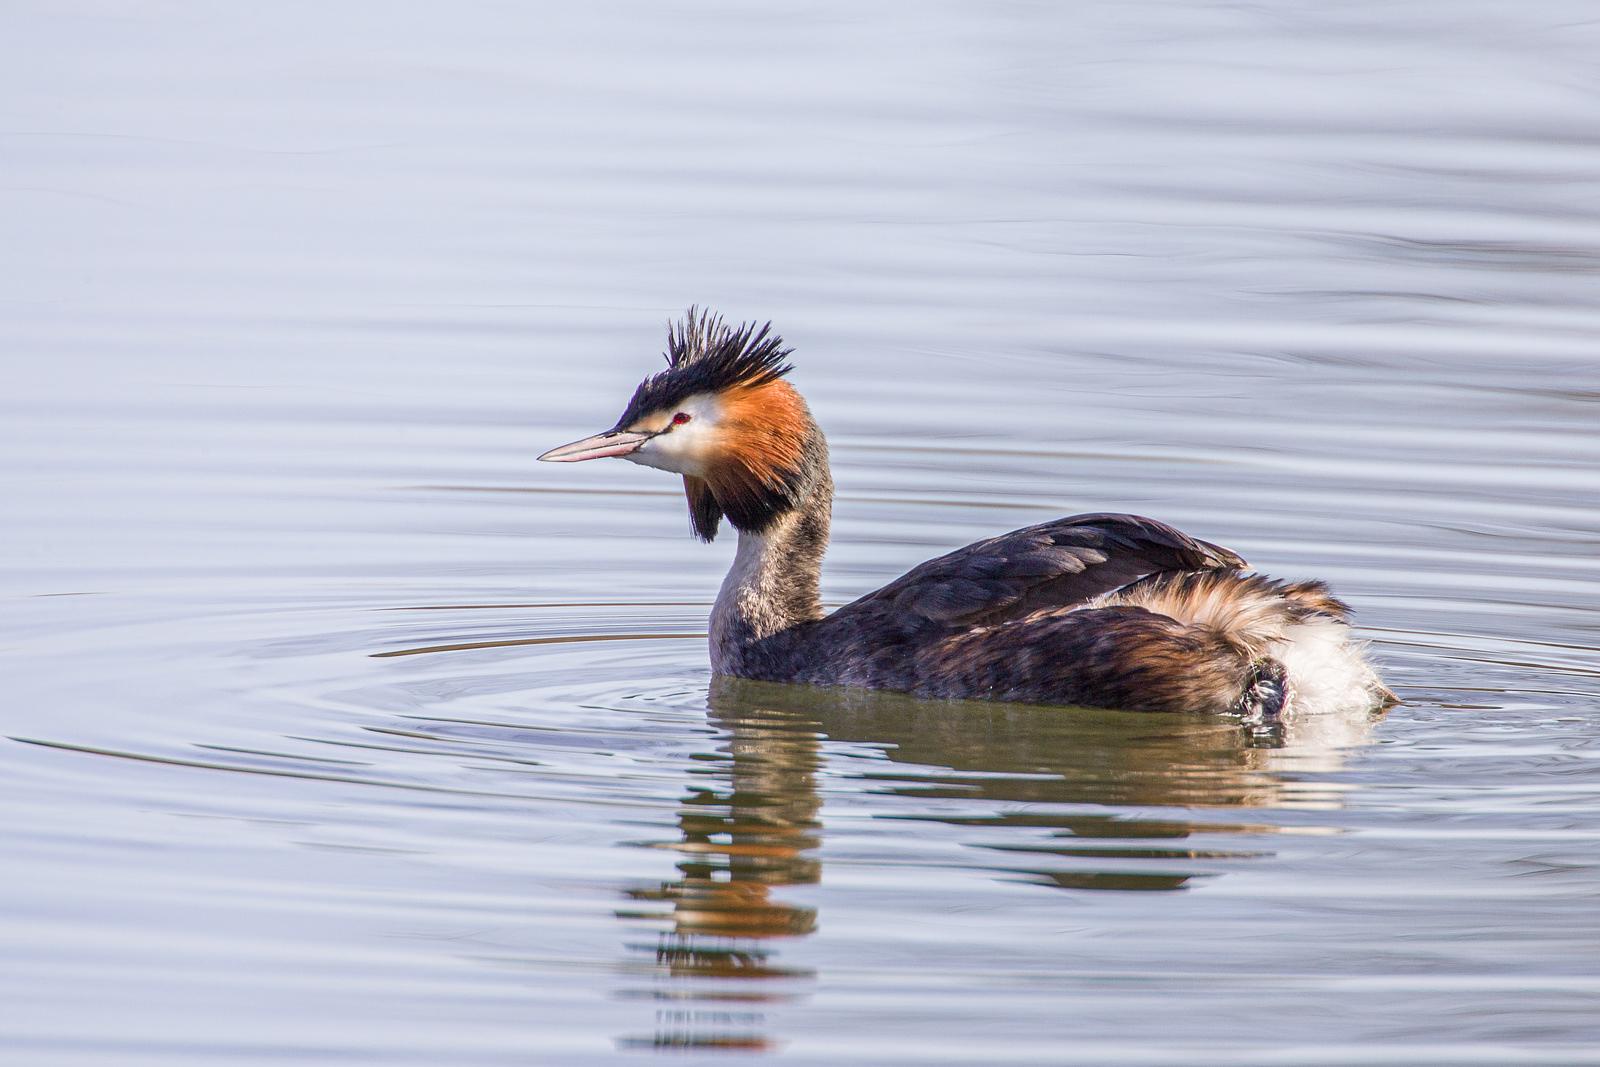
[684,449]
[669,452]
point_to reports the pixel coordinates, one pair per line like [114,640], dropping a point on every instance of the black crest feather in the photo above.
[706,355]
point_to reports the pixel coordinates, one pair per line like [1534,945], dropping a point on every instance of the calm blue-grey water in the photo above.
[339,731]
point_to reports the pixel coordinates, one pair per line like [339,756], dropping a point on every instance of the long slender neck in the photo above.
[772,585]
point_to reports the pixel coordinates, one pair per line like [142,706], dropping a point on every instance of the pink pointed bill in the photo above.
[601,445]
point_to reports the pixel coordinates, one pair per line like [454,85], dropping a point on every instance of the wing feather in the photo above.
[1056,564]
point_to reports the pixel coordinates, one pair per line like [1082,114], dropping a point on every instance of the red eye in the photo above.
[680,418]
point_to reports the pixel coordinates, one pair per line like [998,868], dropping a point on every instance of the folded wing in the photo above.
[1056,564]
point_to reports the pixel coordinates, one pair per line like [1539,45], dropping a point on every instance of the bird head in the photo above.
[723,418]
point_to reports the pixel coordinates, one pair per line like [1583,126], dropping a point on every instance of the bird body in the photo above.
[1104,610]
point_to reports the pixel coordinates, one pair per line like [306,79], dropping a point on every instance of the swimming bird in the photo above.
[1105,610]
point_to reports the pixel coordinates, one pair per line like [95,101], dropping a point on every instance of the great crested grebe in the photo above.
[1112,611]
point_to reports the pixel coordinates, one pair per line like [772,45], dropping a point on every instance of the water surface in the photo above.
[341,731]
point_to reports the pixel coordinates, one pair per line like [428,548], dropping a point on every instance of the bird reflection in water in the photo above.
[1052,796]
[747,827]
